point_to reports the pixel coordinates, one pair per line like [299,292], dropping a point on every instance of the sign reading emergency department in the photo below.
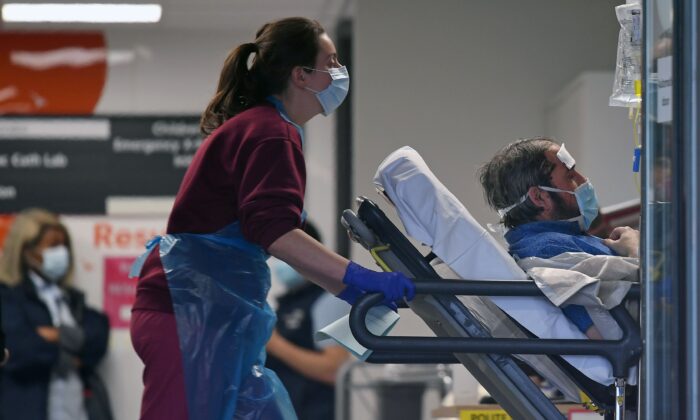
[72,165]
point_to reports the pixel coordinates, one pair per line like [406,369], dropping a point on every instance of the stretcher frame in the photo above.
[461,338]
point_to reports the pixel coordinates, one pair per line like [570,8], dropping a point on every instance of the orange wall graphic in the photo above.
[5,224]
[51,72]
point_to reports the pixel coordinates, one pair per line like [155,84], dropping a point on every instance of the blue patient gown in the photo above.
[219,283]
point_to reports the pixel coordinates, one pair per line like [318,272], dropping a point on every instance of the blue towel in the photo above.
[548,239]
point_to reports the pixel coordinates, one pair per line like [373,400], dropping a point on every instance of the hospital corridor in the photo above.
[349,210]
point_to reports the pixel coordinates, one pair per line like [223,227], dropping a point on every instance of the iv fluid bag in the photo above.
[628,74]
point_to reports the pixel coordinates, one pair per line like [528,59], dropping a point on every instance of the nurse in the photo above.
[200,321]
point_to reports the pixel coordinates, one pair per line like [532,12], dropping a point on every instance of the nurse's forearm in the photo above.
[310,258]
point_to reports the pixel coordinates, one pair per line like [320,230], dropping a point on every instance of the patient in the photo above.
[547,205]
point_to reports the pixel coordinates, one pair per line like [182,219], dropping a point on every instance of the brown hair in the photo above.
[508,176]
[279,47]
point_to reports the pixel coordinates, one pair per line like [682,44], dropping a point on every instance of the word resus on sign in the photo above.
[107,236]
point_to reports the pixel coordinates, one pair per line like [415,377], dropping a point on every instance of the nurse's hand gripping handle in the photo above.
[394,286]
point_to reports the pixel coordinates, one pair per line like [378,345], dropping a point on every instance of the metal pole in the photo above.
[689,90]
[342,391]
[619,398]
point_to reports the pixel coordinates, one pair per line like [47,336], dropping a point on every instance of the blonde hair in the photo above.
[26,230]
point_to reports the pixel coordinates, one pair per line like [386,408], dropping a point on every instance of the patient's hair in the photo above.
[508,176]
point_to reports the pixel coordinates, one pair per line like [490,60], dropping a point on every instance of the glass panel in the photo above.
[660,270]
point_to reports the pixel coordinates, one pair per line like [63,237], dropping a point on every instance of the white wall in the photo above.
[171,72]
[459,79]
[600,138]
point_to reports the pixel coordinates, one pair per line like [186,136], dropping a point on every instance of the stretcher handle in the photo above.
[440,286]
[622,354]
[432,358]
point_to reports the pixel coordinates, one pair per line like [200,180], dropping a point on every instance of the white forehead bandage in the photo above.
[565,157]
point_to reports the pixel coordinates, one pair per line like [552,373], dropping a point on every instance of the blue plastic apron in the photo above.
[219,283]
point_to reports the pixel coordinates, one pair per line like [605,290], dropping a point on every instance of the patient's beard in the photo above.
[561,210]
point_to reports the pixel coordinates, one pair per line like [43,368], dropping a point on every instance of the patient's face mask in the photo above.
[331,97]
[585,198]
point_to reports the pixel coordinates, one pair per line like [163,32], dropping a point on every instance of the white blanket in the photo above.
[598,282]
[583,279]
[434,216]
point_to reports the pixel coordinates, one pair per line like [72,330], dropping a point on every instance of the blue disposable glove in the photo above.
[359,280]
[351,293]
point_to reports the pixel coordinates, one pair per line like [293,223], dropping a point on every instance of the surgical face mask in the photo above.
[586,200]
[286,275]
[56,262]
[331,97]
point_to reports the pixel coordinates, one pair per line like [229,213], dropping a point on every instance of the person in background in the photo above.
[307,369]
[55,339]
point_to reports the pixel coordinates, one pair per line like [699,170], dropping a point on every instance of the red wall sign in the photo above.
[119,290]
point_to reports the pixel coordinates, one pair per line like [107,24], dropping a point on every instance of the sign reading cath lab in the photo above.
[72,165]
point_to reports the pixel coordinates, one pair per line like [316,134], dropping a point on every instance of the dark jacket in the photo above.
[24,380]
[2,335]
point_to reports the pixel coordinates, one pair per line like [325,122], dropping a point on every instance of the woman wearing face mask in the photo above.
[200,301]
[54,339]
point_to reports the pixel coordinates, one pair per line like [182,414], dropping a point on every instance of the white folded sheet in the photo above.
[432,215]
[597,282]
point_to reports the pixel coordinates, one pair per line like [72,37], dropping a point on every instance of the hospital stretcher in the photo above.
[463,337]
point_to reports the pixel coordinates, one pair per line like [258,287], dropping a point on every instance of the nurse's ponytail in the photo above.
[235,91]
[278,48]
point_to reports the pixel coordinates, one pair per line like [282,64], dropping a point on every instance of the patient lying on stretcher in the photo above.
[433,216]
[548,205]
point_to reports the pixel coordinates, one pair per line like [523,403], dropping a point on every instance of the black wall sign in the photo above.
[71,165]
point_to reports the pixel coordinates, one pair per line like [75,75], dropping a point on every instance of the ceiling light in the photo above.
[81,12]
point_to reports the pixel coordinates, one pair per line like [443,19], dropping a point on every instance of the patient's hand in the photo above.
[593,333]
[625,241]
